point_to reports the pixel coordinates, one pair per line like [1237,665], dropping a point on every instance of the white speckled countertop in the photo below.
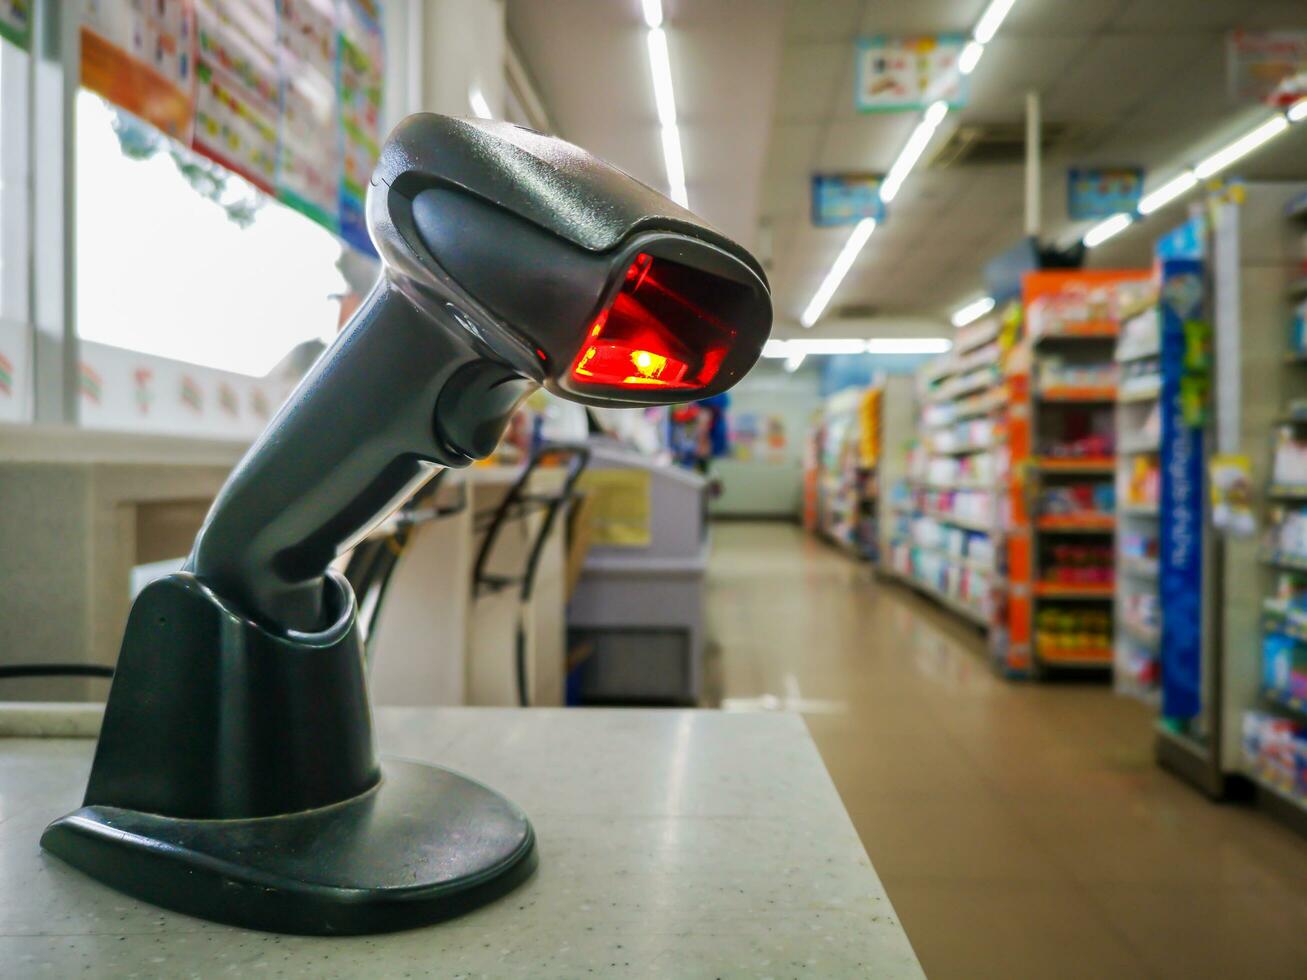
[672,844]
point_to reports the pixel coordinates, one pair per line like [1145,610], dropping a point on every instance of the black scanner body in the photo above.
[236,777]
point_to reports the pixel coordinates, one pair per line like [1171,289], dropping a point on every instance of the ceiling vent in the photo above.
[990,144]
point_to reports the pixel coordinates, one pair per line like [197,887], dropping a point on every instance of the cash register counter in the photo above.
[672,844]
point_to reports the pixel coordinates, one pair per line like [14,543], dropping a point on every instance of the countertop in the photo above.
[672,844]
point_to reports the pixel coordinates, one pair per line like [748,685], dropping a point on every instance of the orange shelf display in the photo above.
[1087,328]
[1078,657]
[1088,464]
[1074,590]
[1078,393]
[1076,522]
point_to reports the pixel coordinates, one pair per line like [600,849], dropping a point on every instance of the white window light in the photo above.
[912,150]
[653,13]
[1104,230]
[991,20]
[817,305]
[972,311]
[970,57]
[477,100]
[1241,147]
[1168,192]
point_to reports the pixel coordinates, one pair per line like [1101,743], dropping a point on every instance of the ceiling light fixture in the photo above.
[477,100]
[972,311]
[970,57]
[912,150]
[817,305]
[1104,230]
[1168,192]
[1241,147]
[660,67]
[991,20]
[986,28]
[801,347]
[1298,111]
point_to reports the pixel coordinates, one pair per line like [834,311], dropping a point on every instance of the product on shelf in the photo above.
[1289,466]
[1077,498]
[1079,563]
[1140,376]
[1068,632]
[1286,533]
[1055,371]
[1144,482]
[1284,665]
[1275,751]
[1138,546]
[1140,336]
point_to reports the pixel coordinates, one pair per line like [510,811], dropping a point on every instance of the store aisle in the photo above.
[1021,830]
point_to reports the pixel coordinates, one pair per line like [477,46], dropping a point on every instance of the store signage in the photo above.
[1181,503]
[896,74]
[1100,192]
[845,199]
[1267,66]
[285,94]
[16,22]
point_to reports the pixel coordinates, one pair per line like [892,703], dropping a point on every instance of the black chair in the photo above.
[518,503]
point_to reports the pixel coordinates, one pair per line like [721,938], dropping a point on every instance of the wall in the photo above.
[758,487]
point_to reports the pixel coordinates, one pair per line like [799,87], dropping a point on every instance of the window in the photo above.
[219,276]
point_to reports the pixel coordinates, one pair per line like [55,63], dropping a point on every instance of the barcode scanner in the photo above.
[236,777]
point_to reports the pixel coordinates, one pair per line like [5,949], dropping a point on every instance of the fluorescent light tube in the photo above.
[908,345]
[912,150]
[1104,230]
[1168,192]
[653,13]
[793,362]
[972,311]
[1298,111]
[1241,147]
[675,165]
[478,102]
[861,232]
[970,57]
[991,20]
[660,66]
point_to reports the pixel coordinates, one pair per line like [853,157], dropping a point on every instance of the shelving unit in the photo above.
[1273,724]
[1063,391]
[1137,644]
[845,456]
[948,521]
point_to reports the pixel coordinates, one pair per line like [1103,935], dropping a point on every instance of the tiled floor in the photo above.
[1021,830]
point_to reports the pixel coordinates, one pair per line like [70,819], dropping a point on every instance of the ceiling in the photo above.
[764,96]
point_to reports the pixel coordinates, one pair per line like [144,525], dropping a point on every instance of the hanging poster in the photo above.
[845,199]
[1267,66]
[141,57]
[1100,192]
[894,74]
[359,53]
[237,100]
[16,22]
[1180,552]
[308,155]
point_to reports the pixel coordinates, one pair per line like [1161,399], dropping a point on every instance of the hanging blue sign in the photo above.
[1100,192]
[1180,510]
[845,199]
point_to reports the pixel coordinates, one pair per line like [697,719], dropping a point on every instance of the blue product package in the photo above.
[1277,660]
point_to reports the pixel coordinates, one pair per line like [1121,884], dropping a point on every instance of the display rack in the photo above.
[1138,482]
[1063,392]
[947,533]
[843,460]
[1273,725]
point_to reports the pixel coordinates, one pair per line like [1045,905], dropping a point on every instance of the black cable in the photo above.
[55,670]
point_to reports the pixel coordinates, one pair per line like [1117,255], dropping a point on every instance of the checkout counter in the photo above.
[672,842]
[81,510]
